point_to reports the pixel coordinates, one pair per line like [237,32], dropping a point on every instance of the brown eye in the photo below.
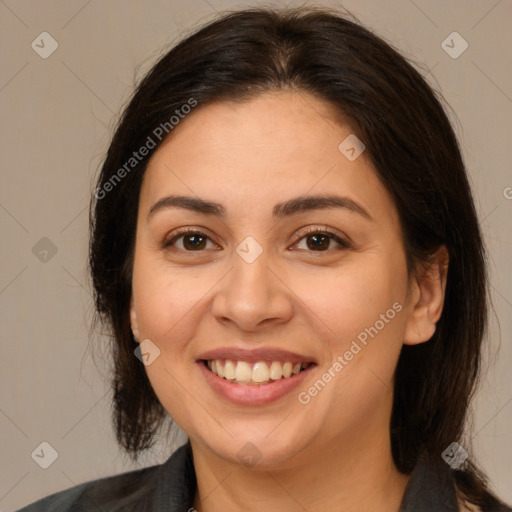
[191,241]
[319,241]
[194,241]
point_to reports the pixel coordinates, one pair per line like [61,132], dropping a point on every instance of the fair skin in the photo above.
[333,452]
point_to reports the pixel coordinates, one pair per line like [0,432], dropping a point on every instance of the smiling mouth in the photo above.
[254,374]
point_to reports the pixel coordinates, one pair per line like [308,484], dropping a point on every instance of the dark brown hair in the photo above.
[413,147]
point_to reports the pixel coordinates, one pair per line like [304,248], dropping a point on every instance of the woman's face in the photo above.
[259,288]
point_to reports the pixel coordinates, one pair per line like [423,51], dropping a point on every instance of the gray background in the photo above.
[57,116]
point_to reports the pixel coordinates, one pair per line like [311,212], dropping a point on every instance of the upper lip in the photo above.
[255,355]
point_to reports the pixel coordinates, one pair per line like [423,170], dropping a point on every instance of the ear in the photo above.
[427,298]
[133,321]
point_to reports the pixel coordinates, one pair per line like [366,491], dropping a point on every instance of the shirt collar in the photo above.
[429,489]
[178,483]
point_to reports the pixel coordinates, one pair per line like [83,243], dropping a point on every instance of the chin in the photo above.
[259,450]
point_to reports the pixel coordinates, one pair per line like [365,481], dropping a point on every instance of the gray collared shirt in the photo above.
[171,486]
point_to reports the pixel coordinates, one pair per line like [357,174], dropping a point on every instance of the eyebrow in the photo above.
[287,208]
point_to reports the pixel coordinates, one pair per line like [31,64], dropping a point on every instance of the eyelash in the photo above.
[343,244]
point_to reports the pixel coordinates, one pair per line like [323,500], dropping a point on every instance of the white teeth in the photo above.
[276,370]
[220,369]
[241,372]
[260,372]
[229,370]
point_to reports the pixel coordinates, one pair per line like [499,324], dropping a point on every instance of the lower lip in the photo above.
[262,394]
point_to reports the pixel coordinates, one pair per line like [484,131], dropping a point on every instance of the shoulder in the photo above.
[433,485]
[109,494]
[485,502]
[492,505]
[467,507]
[141,489]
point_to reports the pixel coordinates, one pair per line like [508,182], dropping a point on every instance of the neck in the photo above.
[350,475]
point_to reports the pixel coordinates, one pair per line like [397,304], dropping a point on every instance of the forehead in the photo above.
[261,151]
[281,122]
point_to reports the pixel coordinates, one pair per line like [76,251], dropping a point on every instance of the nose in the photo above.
[252,294]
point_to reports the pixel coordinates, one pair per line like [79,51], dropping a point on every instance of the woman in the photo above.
[285,247]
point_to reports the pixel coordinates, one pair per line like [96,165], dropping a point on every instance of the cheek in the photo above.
[366,321]
[168,308]
[362,307]
[165,300]
[350,299]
